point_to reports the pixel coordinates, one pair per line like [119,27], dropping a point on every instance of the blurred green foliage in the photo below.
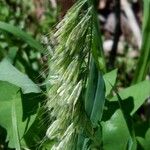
[34,18]
[24,19]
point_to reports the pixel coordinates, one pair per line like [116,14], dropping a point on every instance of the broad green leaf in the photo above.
[6,111]
[129,123]
[10,74]
[4,94]
[22,35]
[116,129]
[11,114]
[115,132]
[136,93]
[120,124]
[110,80]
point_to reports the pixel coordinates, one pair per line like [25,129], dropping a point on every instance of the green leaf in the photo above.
[144,63]
[138,93]
[95,95]
[117,128]
[11,114]
[22,35]
[91,88]
[115,132]
[110,80]
[99,101]
[37,132]
[15,126]
[97,48]
[129,123]
[10,74]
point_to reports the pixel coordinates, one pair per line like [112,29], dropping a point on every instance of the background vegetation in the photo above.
[26,48]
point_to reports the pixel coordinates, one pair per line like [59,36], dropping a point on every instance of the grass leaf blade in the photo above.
[21,34]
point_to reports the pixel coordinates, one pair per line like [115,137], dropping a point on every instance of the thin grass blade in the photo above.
[22,35]
[144,60]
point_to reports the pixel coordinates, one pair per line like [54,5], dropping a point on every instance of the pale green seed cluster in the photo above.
[66,67]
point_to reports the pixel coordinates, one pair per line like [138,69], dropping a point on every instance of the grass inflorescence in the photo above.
[67,66]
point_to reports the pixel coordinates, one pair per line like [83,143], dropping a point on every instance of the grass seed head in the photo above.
[66,65]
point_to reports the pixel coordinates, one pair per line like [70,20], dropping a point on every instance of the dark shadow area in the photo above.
[30,104]
[111,107]
[139,146]
[3,143]
[141,128]
[35,136]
